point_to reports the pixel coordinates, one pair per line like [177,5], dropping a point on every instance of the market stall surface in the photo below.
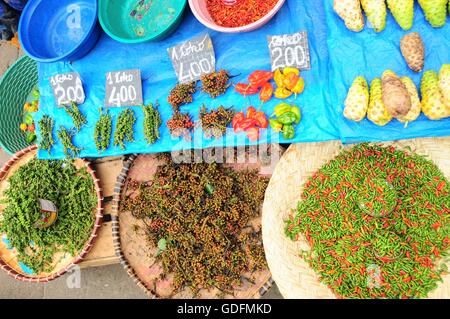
[108,282]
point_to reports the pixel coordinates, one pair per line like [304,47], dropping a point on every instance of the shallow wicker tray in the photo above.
[136,255]
[8,259]
[293,276]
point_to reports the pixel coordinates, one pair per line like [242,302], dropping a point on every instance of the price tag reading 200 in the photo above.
[123,88]
[67,88]
[290,50]
[193,58]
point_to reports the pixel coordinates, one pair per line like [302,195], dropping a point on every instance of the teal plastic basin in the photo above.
[134,21]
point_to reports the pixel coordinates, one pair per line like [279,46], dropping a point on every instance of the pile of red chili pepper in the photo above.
[251,123]
[238,13]
[358,255]
[259,82]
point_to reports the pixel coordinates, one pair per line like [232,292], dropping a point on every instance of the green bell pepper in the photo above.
[281,108]
[275,125]
[298,114]
[288,132]
[287,118]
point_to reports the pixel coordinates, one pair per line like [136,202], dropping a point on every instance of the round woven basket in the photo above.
[15,86]
[137,257]
[8,260]
[293,276]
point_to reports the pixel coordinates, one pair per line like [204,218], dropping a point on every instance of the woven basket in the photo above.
[8,260]
[15,86]
[137,258]
[293,276]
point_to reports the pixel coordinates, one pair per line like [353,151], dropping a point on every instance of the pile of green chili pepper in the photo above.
[152,122]
[78,118]
[71,190]
[66,136]
[46,141]
[407,245]
[124,131]
[198,215]
[285,118]
[102,131]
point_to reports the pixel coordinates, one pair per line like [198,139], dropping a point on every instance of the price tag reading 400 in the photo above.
[67,88]
[193,58]
[123,88]
[290,50]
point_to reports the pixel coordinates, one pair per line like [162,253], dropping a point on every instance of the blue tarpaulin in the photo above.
[337,56]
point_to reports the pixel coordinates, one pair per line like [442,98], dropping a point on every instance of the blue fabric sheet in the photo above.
[337,56]
[369,54]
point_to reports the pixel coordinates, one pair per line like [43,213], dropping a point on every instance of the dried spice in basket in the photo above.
[216,83]
[73,193]
[239,12]
[358,254]
[215,122]
[199,216]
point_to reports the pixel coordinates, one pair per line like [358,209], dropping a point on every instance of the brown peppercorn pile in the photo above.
[215,122]
[180,124]
[182,94]
[216,83]
[203,212]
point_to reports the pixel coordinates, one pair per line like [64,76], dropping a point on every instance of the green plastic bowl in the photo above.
[135,21]
[15,87]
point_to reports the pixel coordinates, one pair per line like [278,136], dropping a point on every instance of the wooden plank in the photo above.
[107,172]
[102,253]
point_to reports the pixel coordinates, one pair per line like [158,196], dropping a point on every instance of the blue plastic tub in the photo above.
[59,30]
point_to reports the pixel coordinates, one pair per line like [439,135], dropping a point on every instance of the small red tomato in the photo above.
[31,128]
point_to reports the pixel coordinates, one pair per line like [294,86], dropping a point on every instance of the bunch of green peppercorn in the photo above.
[285,118]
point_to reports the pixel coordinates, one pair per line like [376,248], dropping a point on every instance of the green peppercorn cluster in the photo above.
[65,136]
[70,189]
[46,141]
[152,123]
[124,131]
[78,118]
[102,132]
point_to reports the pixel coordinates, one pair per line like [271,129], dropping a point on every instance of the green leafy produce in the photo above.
[124,131]
[199,218]
[406,245]
[46,142]
[71,190]
[102,132]
[152,122]
[66,136]
[78,118]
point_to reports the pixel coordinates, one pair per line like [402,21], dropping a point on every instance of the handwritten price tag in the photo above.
[67,88]
[290,50]
[193,58]
[123,88]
